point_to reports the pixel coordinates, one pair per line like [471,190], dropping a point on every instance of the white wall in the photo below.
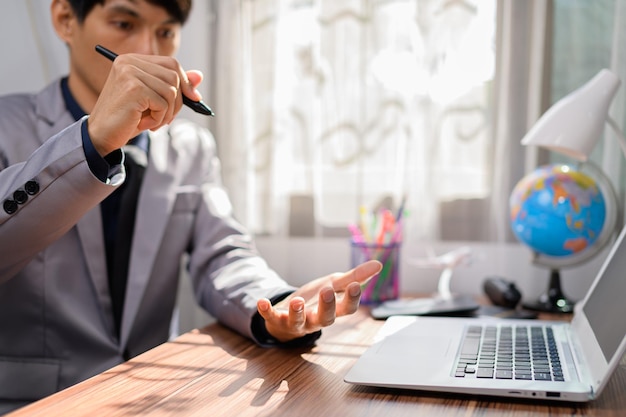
[32,55]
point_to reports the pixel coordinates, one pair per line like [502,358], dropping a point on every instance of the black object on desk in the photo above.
[505,298]
[457,305]
[502,292]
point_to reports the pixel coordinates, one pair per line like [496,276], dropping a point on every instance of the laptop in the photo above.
[568,361]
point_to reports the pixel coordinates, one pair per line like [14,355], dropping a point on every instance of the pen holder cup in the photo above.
[384,285]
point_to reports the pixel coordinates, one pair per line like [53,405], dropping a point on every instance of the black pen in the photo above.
[197,106]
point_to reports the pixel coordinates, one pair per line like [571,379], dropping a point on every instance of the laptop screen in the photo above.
[607,300]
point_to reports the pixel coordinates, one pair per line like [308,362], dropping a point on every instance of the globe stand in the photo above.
[553,301]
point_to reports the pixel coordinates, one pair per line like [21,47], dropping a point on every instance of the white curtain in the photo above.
[523,36]
[327,106]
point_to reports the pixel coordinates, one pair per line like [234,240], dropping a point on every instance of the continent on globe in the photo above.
[557,210]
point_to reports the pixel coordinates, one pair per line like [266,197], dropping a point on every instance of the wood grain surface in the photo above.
[215,372]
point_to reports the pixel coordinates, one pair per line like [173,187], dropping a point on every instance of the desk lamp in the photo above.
[574,124]
[572,127]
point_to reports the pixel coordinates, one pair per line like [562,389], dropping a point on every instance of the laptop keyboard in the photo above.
[509,352]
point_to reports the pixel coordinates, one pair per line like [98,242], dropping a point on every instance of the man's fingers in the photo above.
[165,84]
[264,308]
[284,324]
[297,317]
[349,302]
[175,82]
[195,78]
[188,80]
[326,308]
[361,273]
[139,94]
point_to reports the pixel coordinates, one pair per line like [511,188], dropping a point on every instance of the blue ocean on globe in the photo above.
[557,210]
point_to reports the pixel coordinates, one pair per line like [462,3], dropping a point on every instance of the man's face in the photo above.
[122,26]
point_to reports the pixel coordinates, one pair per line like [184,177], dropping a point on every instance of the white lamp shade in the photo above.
[574,124]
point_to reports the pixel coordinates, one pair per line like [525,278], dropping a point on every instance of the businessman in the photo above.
[103,191]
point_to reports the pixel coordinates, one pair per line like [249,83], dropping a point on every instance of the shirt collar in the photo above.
[70,102]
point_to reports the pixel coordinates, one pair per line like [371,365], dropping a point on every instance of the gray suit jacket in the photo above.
[56,323]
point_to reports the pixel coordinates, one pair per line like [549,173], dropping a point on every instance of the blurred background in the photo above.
[326,108]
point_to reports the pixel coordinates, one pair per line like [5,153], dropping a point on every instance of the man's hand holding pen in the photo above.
[141,92]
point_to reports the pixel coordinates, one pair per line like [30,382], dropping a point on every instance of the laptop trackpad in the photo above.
[415,346]
[413,337]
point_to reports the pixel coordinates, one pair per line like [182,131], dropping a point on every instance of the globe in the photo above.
[565,214]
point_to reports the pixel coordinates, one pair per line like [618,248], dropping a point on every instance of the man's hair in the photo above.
[178,9]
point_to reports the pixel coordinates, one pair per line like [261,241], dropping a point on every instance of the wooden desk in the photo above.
[215,372]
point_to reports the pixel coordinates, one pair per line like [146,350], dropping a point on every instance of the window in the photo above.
[361,104]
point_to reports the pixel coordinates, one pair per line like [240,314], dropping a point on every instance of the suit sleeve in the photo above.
[228,274]
[46,195]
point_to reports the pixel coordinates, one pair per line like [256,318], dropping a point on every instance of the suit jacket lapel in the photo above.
[155,203]
[92,242]
[52,117]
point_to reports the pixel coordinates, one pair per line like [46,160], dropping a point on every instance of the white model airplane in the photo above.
[447,262]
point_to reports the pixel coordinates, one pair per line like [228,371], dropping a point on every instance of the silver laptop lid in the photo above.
[600,319]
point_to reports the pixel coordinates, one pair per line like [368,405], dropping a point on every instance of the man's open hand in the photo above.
[317,303]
